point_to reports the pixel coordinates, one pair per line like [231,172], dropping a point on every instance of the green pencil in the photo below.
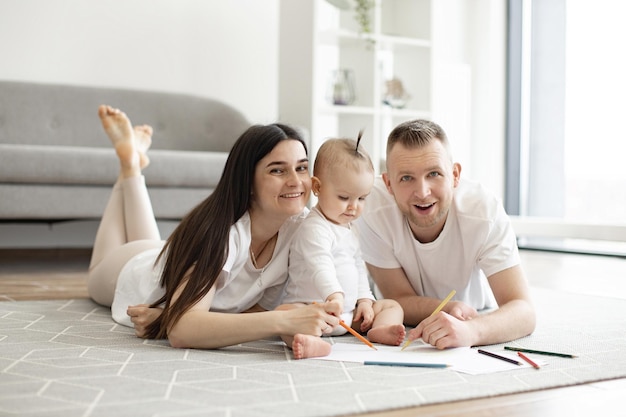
[540,352]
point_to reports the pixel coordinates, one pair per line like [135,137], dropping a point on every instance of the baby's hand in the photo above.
[334,304]
[365,313]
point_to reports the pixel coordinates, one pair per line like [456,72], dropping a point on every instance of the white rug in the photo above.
[68,358]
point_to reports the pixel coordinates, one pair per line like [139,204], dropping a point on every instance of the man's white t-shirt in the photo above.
[239,287]
[476,241]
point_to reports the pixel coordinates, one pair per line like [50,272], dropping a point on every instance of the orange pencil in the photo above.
[356,334]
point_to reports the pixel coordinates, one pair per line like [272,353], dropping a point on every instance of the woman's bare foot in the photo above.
[120,131]
[307,346]
[143,140]
[392,335]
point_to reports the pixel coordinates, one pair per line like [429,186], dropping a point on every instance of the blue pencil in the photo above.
[410,364]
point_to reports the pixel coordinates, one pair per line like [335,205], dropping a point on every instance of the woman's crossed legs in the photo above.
[128,225]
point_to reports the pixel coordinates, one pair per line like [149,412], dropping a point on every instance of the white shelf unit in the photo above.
[318,38]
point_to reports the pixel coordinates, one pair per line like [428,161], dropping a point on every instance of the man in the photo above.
[427,232]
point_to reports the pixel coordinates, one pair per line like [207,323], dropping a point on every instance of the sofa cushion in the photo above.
[37,164]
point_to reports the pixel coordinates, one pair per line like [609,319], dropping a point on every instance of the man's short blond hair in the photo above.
[416,134]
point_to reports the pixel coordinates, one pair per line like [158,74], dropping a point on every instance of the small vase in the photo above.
[395,95]
[341,88]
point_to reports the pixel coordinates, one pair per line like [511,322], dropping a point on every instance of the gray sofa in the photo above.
[56,162]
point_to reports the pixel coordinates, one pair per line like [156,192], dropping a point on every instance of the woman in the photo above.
[228,255]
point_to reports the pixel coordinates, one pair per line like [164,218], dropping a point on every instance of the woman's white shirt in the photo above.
[239,287]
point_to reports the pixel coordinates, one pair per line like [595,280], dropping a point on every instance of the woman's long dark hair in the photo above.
[200,242]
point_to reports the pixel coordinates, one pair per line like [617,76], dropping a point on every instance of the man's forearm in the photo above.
[417,308]
[509,322]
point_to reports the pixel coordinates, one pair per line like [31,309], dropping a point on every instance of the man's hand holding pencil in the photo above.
[443,329]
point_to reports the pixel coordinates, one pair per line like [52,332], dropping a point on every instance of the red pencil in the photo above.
[527,359]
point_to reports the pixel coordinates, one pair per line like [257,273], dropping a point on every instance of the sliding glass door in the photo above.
[566,136]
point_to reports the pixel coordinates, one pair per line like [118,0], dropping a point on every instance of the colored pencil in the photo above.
[410,364]
[356,334]
[437,310]
[527,359]
[502,358]
[540,352]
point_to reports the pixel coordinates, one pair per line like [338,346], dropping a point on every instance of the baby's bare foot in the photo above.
[388,335]
[307,346]
[117,126]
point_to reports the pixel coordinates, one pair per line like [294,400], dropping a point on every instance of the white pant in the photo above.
[127,227]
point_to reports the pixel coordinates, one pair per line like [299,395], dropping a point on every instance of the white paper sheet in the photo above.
[464,359]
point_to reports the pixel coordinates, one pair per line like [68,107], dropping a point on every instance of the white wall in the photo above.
[469,42]
[222,49]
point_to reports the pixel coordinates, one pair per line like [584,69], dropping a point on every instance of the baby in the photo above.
[325,264]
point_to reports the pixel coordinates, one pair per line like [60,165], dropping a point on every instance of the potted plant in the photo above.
[362,13]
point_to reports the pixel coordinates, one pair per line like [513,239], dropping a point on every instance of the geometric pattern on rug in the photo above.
[68,358]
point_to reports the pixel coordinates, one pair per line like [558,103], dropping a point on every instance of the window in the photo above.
[566,140]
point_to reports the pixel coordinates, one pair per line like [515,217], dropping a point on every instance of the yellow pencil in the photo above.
[356,334]
[437,310]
